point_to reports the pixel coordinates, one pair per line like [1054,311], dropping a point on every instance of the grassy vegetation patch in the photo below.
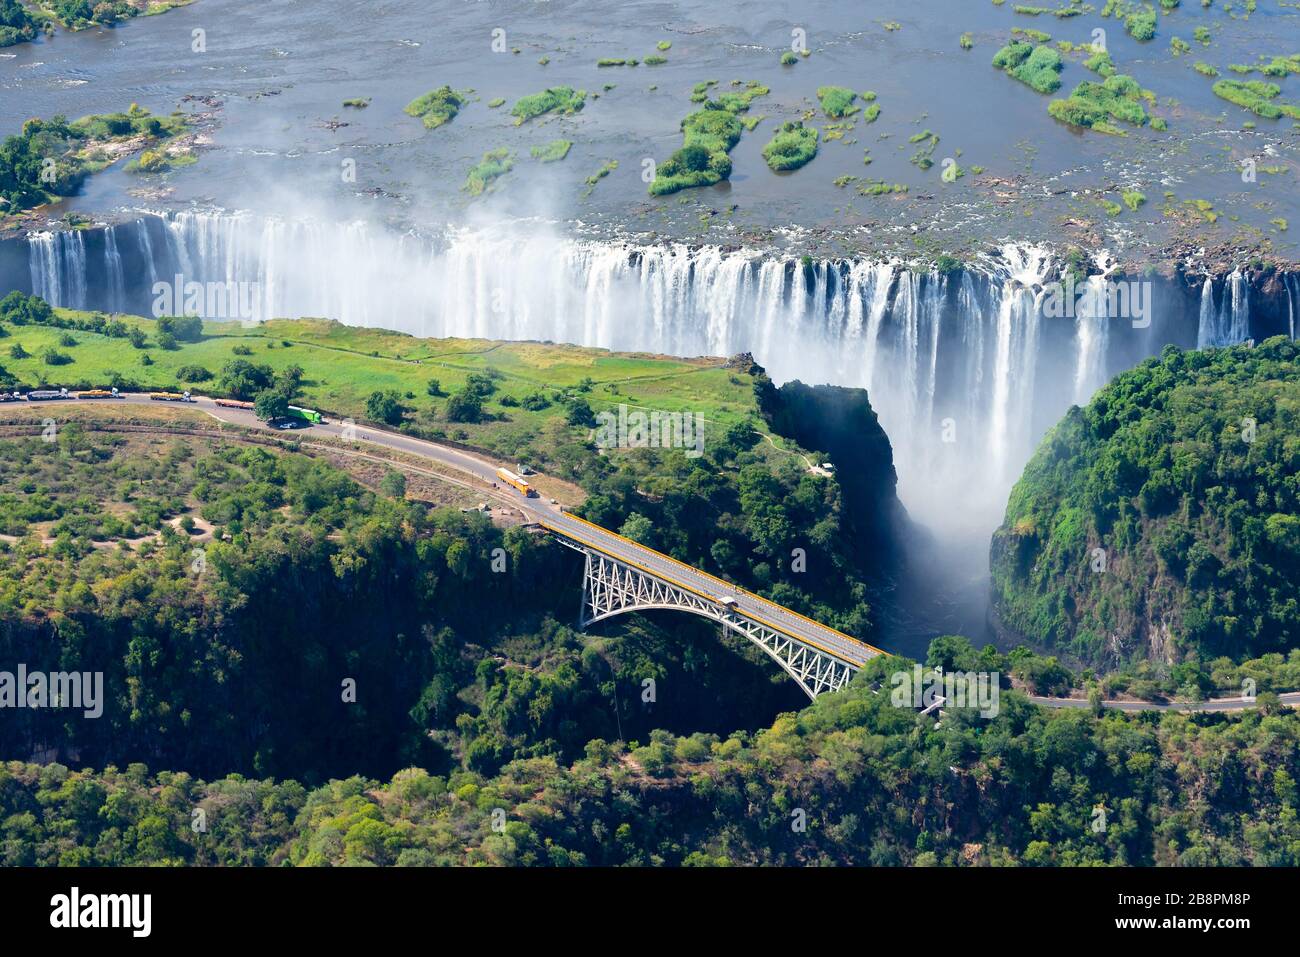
[1100,63]
[596,177]
[552,152]
[923,158]
[562,100]
[708,136]
[437,107]
[1257,96]
[494,164]
[837,101]
[792,146]
[1094,105]
[1036,66]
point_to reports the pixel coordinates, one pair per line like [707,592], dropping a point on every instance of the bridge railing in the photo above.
[727,585]
[869,651]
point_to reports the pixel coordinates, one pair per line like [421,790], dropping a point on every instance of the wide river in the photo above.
[282,69]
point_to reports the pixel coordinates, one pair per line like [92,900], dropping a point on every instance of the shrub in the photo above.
[464,407]
[1035,66]
[193,373]
[791,147]
[1141,24]
[385,406]
[836,101]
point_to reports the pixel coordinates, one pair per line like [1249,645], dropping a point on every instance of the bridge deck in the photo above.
[769,613]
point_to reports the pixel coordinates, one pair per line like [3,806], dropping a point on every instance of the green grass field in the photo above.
[343,365]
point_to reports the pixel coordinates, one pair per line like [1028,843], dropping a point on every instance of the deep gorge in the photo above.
[962,365]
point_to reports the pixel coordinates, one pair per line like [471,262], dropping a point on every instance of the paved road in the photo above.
[833,642]
[1291,698]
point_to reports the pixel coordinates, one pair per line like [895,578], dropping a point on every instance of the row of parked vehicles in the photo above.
[294,414]
[295,417]
[53,395]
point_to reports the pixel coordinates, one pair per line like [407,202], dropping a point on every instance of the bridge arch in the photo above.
[611,588]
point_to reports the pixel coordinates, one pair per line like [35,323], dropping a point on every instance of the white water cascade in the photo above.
[1229,323]
[963,369]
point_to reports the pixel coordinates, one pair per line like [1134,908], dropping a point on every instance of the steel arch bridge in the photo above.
[612,587]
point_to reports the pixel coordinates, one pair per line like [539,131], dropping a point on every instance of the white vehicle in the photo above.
[727,602]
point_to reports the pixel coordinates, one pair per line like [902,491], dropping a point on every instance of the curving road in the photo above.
[554,518]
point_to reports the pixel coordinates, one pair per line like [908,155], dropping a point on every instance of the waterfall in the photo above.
[57,262]
[1092,331]
[1206,327]
[1290,304]
[1014,364]
[964,370]
[1230,322]
[113,270]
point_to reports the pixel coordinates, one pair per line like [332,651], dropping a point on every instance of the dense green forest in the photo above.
[232,594]
[307,579]
[1161,523]
[16,24]
[849,780]
[311,579]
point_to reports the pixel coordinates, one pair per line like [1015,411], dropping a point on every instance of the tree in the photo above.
[271,404]
[393,484]
[184,328]
[385,407]
[480,384]
[244,380]
[434,388]
[464,407]
[137,337]
[289,381]
[952,653]
[638,528]
[579,413]
[1095,704]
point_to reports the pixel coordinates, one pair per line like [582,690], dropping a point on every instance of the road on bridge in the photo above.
[555,519]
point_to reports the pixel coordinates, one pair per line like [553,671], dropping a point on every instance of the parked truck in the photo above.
[513,480]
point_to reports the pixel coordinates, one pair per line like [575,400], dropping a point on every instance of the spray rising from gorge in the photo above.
[965,368]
